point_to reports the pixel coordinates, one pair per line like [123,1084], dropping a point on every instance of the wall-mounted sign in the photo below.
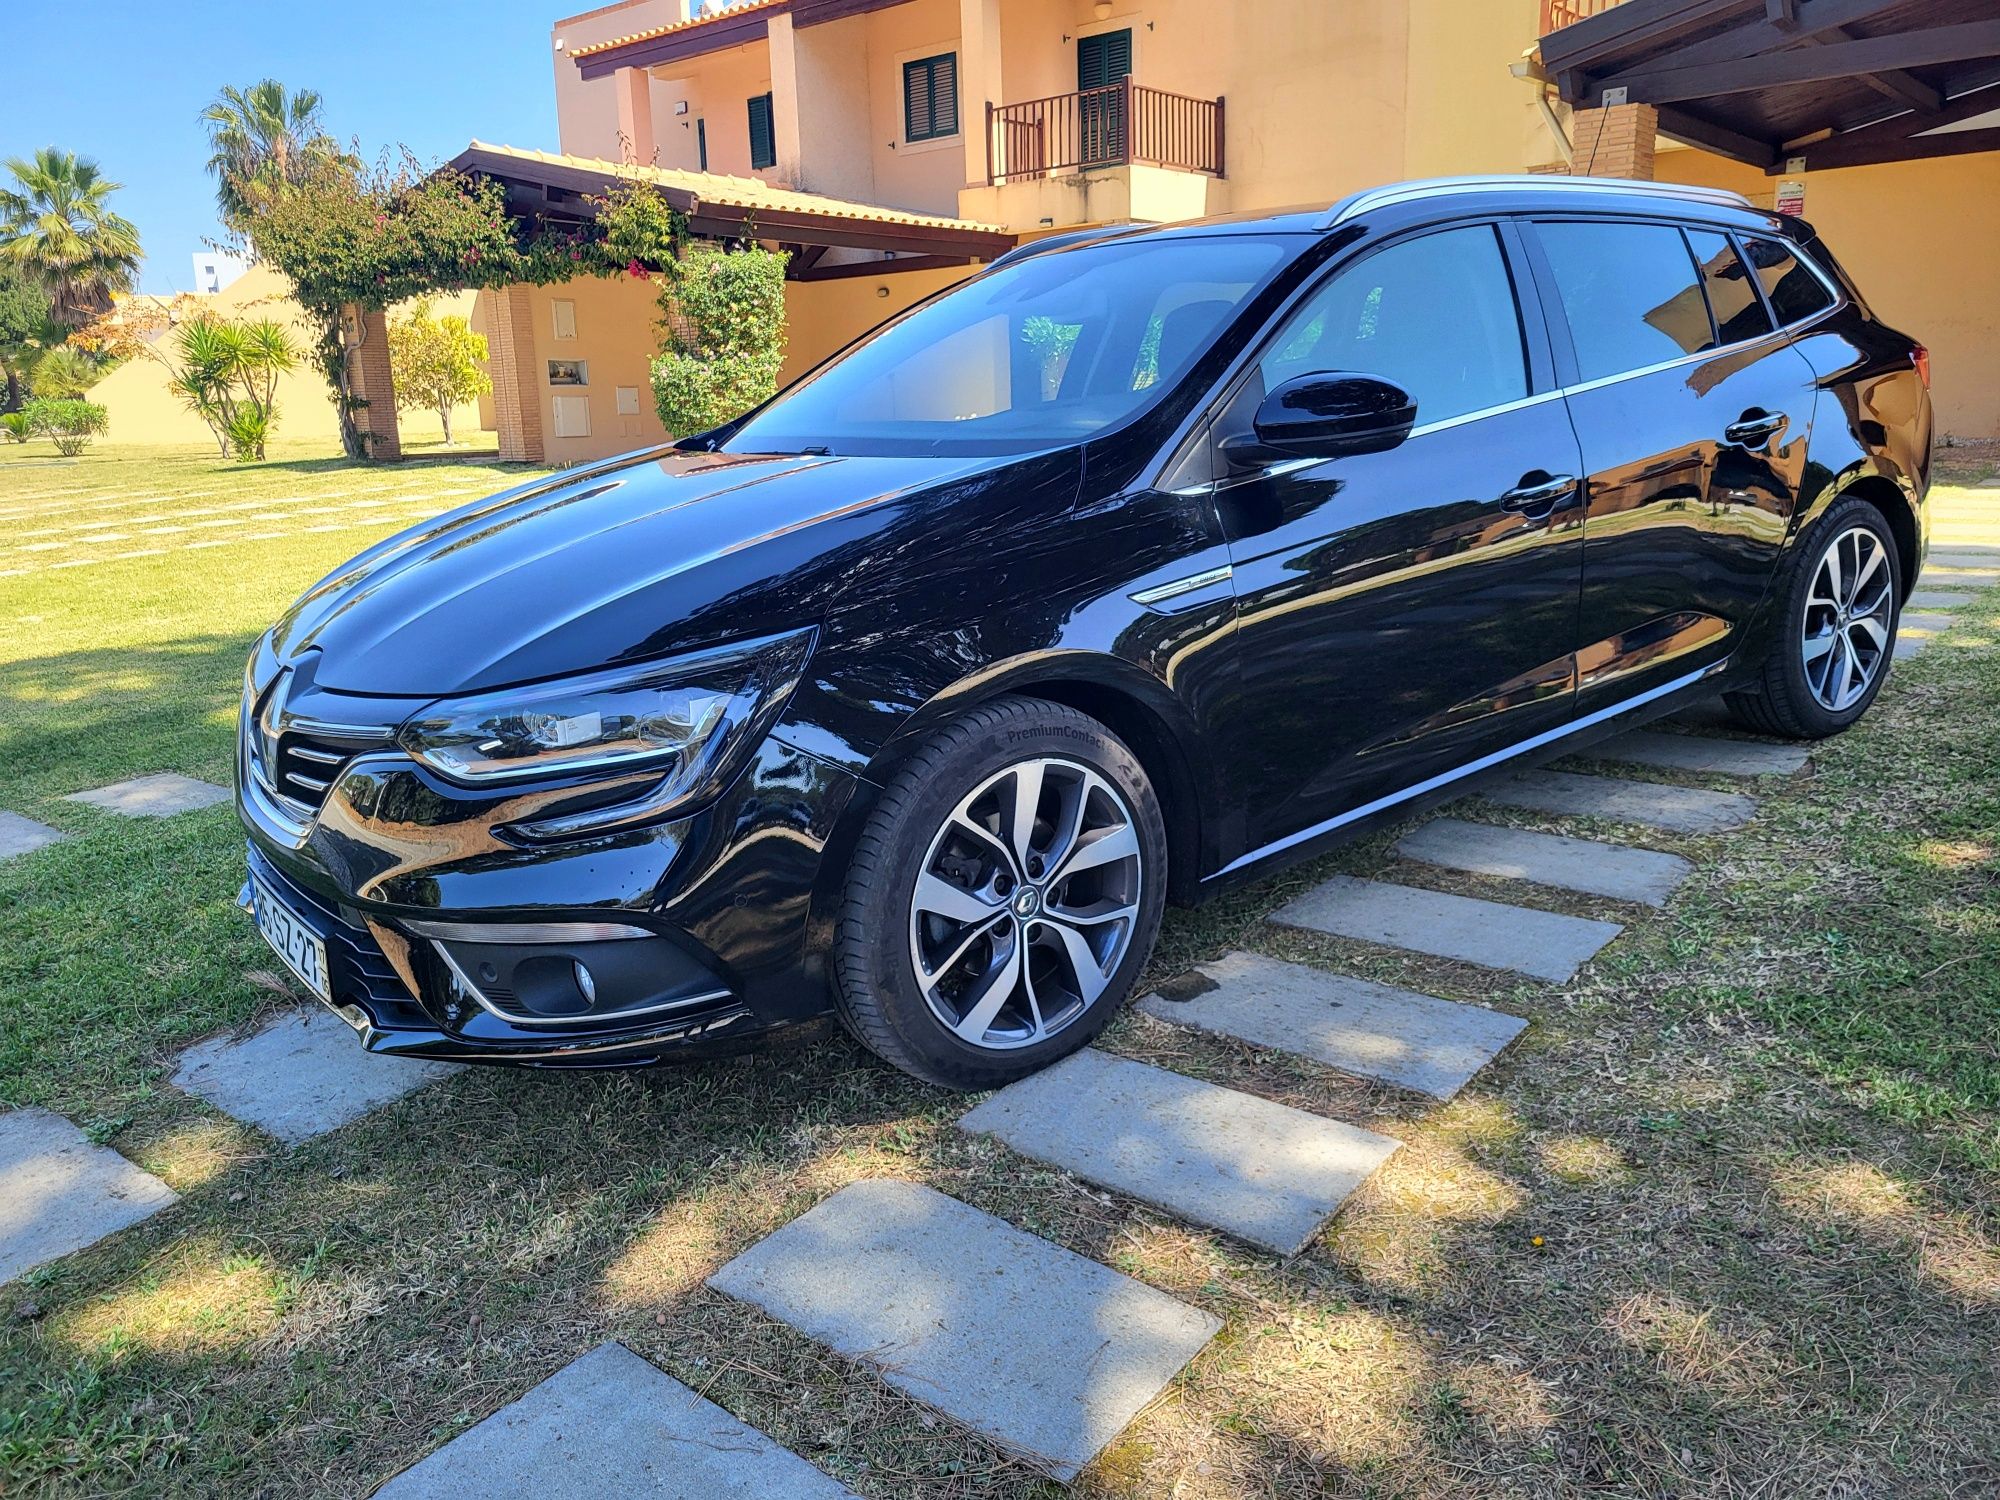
[1791,196]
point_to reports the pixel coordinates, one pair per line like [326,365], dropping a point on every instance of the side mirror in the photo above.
[1335,412]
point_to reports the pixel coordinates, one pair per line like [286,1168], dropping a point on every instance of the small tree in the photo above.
[71,424]
[435,362]
[723,317]
[227,374]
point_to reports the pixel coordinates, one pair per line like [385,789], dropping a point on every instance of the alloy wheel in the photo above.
[1026,903]
[1848,614]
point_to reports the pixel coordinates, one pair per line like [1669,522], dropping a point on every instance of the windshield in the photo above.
[1048,351]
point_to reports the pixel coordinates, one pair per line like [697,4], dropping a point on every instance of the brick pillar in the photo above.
[635,115]
[368,375]
[1615,142]
[517,393]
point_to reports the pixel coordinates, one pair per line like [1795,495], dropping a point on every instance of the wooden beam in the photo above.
[1904,88]
[1838,60]
[1678,123]
[1783,14]
[1866,149]
[1628,25]
[1758,37]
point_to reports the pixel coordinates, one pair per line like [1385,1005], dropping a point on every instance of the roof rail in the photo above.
[1405,192]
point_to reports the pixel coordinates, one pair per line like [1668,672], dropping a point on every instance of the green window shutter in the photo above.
[763,137]
[930,98]
[1103,59]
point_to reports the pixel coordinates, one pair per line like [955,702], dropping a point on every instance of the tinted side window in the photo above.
[1732,296]
[1436,315]
[1631,294]
[1795,293]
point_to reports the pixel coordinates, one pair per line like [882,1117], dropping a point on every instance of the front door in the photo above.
[1694,416]
[1103,62]
[1402,614]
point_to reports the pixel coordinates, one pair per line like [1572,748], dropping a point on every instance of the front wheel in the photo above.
[1838,637]
[1003,898]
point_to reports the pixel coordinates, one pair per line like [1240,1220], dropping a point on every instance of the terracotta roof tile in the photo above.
[658,31]
[740,192]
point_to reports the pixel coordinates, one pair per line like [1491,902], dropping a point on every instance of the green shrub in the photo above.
[723,314]
[248,430]
[70,424]
[19,426]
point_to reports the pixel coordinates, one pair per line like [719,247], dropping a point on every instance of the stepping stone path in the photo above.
[1263,1172]
[300,1076]
[1677,808]
[611,1423]
[1936,599]
[160,795]
[1645,876]
[1540,944]
[1045,1353]
[19,835]
[1414,1041]
[1919,620]
[1957,575]
[59,1193]
[1700,752]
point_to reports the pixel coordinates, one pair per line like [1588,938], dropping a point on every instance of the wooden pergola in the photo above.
[1841,83]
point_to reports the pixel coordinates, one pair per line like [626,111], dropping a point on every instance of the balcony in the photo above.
[1102,155]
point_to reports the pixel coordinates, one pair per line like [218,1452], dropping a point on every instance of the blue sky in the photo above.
[123,80]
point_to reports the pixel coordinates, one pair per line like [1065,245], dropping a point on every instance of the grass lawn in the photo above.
[1724,1221]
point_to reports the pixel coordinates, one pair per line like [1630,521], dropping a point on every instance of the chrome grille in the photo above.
[308,762]
[295,759]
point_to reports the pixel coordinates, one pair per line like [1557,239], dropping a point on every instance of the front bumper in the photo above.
[712,914]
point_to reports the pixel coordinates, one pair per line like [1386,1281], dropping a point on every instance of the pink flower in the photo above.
[635,270]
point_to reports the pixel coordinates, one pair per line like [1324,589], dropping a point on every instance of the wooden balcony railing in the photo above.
[1114,126]
[1557,14]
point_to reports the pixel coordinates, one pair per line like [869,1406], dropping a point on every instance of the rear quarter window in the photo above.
[1794,291]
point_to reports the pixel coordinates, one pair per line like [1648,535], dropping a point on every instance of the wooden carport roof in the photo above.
[546,186]
[1839,82]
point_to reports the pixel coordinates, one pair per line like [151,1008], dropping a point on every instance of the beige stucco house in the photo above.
[893,145]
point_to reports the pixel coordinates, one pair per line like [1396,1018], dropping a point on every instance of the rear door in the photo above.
[1693,414]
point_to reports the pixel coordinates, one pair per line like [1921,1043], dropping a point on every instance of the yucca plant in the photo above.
[19,426]
[227,374]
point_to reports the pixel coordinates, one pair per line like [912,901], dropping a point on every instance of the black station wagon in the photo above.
[1138,564]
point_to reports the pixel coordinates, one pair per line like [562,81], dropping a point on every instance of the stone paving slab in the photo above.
[160,795]
[1976,558]
[1045,1353]
[1646,876]
[1706,713]
[1680,809]
[1948,576]
[612,1424]
[1936,599]
[1700,752]
[1908,646]
[59,1193]
[1920,620]
[1373,1030]
[300,1076]
[19,835]
[1540,944]
[1264,1172]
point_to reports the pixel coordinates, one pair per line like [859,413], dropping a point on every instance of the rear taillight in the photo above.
[1921,358]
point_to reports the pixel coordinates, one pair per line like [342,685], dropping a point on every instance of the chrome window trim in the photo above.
[1471,767]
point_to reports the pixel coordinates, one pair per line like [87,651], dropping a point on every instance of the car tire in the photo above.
[955,894]
[1835,623]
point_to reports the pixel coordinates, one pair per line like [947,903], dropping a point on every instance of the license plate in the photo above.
[302,949]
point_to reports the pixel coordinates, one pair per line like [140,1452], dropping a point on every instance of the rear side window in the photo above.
[1436,315]
[1732,295]
[1631,294]
[1796,294]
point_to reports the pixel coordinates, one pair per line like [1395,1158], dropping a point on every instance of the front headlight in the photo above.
[688,717]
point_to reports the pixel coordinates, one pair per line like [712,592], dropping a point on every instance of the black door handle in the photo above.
[1537,498]
[1756,428]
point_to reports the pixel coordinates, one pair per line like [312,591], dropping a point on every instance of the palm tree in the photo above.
[263,140]
[57,228]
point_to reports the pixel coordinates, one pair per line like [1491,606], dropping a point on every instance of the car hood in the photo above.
[626,561]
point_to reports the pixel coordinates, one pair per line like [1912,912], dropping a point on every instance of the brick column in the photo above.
[510,361]
[635,115]
[1615,142]
[368,376]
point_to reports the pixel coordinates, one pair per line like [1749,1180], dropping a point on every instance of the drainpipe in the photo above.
[1529,70]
